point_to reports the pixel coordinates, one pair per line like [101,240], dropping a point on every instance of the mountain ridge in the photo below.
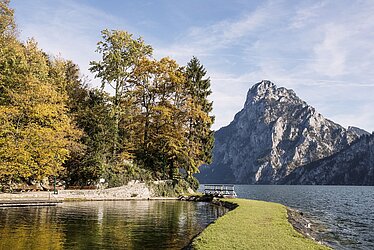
[273,134]
[353,165]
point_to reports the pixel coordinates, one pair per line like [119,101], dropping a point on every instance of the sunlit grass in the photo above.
[253,225]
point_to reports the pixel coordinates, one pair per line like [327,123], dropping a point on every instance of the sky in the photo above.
[323,50]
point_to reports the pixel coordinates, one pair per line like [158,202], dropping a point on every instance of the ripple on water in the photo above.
[343,215]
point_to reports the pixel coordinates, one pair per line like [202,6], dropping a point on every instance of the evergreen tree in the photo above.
[200,135]
[92,114]
[160,110]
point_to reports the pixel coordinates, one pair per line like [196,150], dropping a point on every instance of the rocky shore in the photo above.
[303,225]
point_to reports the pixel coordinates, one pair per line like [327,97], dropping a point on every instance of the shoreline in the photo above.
[303,225]
[134,190]
[294,218]
[295,232]
[49,196]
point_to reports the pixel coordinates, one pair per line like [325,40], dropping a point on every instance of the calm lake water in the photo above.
[344,214]
[106,225]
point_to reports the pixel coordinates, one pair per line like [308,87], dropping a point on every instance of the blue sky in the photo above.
[323,50]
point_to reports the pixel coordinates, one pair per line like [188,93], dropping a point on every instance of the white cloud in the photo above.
[330,54]
[306,15]
[206,41]
[66,28]
[323,50]
[227,32]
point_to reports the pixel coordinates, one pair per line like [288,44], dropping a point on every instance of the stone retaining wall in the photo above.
[133,190]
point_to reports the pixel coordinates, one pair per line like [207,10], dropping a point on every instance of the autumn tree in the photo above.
[120,56]
[161,110]
[158,96]
[36,134]
[7,24]
[90,111]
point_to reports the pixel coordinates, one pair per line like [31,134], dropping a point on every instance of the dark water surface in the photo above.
[344,214]
[106,225]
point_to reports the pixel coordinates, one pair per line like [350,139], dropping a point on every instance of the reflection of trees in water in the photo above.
[115,225]
[30,228]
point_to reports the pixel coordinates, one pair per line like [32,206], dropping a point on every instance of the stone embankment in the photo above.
[133,190]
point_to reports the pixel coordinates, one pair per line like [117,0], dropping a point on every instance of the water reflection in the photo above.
[102,225]
[19,230]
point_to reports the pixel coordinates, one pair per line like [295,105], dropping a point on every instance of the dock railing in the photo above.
[220,190]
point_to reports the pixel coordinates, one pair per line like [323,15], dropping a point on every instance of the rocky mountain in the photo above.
[353,165]
[272,135]
[360,132]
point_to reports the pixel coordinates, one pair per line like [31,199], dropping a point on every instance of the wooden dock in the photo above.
[220,190]
[28,203]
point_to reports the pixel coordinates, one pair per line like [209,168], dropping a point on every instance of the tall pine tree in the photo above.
[200,135]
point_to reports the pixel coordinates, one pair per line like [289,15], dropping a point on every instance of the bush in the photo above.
[173,188]
[121,174]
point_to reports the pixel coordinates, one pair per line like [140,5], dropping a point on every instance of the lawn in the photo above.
[253,225]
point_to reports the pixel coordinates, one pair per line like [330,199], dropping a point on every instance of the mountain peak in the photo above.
[263,85]
[272,135]
[268,90]
[260,88]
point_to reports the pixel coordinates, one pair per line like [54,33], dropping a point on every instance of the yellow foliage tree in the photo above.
[36,134]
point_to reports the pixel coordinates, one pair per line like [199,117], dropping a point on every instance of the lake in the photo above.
[106,225]
[344,214]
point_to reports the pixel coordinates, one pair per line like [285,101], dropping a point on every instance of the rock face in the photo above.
[272,135]
[353,165]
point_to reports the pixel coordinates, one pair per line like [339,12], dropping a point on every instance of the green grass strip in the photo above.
[253,225]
